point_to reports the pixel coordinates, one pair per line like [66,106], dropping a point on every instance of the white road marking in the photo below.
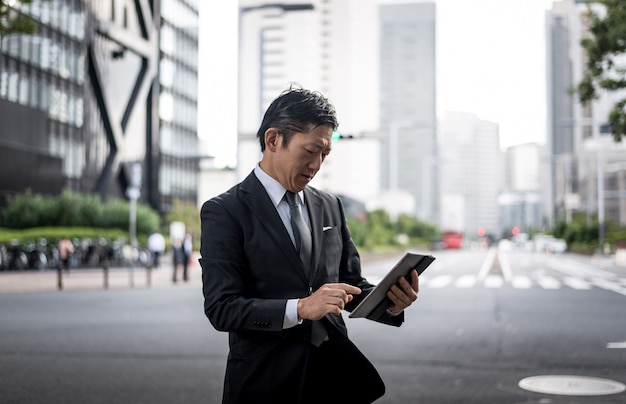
[548,282]
[521,282]
[440,281]
[576,283]
[466,281]
[493,281]
[616,345]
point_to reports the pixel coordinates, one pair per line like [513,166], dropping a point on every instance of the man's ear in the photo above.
[272,139]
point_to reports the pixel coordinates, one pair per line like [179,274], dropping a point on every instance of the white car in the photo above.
[549,244]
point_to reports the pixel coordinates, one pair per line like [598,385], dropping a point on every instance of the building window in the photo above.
[4,81]
[13,82]
[23,96]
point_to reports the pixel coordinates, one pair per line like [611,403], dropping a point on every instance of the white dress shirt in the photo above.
[276,193]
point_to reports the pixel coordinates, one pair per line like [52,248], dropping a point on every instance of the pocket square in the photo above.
[326,228]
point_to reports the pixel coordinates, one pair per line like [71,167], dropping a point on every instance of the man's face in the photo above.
[298,162]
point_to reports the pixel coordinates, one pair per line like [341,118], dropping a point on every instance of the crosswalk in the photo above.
[542,281]
[515,270]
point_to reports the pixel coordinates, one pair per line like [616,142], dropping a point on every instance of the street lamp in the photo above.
[134,192]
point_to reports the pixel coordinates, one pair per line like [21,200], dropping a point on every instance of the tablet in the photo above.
[377,300]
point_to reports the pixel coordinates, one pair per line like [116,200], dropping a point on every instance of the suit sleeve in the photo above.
[227,280]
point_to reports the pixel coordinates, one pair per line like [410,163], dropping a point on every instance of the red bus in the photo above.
[452,240]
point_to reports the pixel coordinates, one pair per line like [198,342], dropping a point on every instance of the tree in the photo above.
[606,52]
[14,22]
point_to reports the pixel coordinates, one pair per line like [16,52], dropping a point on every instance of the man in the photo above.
[282,310]
[66,249]
[187,251]
[156,246]
[178,256]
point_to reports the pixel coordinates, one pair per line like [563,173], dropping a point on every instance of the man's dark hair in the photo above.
[297,110]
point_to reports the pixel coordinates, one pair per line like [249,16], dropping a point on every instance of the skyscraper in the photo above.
[589,167]
[471,174]
[408,104]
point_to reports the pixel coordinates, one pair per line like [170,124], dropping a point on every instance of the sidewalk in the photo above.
[118,277]
[95,279]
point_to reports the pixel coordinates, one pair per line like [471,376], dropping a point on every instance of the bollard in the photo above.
[105,270]
[149,275]
[59,277]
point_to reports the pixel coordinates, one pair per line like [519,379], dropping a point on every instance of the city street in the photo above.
[484,321]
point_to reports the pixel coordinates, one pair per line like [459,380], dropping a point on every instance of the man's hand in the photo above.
[330,298]
[404,295]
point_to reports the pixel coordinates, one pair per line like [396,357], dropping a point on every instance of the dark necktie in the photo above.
[304,244]
[301,231]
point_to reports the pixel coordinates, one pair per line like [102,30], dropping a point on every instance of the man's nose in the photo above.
[316,162]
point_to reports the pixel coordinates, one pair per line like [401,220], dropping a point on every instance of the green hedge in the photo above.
[83,213]
[54,234]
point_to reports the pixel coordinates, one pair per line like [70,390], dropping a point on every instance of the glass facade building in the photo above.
[100,87]
[178,100]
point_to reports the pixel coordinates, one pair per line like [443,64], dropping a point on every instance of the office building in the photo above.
[520,199]
[589,168]
[178,148]
[329,46]
[471,168]
[84,106]
[407,94]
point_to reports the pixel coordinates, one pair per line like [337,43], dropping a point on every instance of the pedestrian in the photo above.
[66,249]
[187,251]
[279,289]
[177,256]
[156,246]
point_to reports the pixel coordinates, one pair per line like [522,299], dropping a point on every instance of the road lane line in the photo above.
[506,268]
[466,281]
[521,282]
[440,281]
[576,283]
[608,285]
[484,270]
[548,282]
[493,281]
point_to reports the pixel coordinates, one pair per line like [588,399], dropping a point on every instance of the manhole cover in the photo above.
[571,385]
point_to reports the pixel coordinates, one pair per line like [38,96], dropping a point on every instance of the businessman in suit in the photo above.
[279,290]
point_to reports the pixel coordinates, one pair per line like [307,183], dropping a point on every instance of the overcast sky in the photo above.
[490,61]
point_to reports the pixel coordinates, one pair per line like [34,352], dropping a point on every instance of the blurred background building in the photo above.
[471,175]
[587,168]
[92,94]
[407,97]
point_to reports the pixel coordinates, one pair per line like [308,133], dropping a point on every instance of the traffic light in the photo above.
[337,136]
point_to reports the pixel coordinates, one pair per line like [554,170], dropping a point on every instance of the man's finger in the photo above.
[353,290]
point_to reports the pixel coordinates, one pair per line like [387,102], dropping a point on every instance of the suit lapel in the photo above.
[315,209]
[253,194]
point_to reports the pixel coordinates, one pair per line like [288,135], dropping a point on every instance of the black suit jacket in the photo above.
[250,269]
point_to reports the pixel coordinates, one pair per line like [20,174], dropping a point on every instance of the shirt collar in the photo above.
[273,187]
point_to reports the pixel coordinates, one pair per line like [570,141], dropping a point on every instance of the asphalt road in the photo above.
[462,342]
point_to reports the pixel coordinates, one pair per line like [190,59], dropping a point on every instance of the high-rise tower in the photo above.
[408,104]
